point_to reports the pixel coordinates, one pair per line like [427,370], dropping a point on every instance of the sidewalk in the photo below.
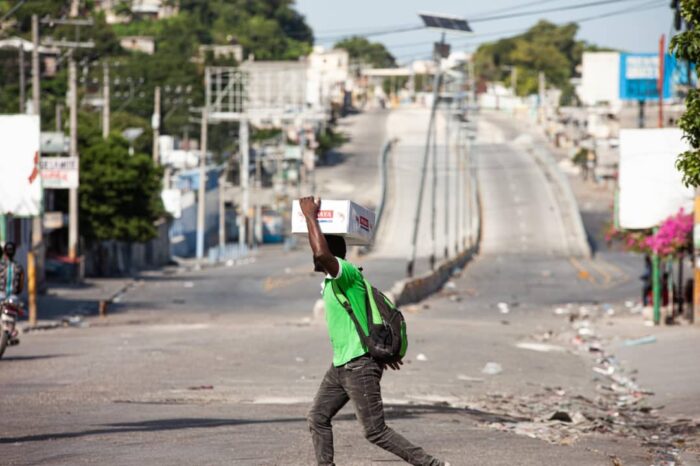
[64,300]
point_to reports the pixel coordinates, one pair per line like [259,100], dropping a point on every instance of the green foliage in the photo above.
[365,51]
[330,139]
[686,46]
[544,47]
[119,193]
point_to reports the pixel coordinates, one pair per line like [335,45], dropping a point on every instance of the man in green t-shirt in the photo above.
[354,375]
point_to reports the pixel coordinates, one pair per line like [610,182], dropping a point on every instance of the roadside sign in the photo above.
[54,142]
[60,172]
[651,188]
[54,220]
[20,180]
[639,75]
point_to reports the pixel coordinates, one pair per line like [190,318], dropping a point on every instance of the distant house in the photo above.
[234,51]
[153,9]
[143,44]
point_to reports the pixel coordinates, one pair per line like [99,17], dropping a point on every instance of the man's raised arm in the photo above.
[319,246]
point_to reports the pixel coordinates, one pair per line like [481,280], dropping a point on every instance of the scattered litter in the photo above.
[201,387]
[640,341]
[541,347]
[74,321]
[560,311]
[456,271]
[505,322]
[230,263]
[421,357]
[455,298]
[492,368]
[649,323]
[450,285]
[466,378]
[299,359]
[188,285]
[503,307]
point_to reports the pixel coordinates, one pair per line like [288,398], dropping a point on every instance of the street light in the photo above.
[443,23]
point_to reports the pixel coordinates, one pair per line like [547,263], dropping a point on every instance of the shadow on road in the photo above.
[393,412]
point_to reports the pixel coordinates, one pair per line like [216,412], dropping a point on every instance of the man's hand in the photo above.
[393,365]
[310,207]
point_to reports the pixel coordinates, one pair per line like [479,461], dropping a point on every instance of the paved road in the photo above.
[445,188]
[218,366]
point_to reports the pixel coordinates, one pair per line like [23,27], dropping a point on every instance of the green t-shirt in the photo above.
[341,329]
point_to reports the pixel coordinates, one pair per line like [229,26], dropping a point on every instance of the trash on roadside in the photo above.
[541,347]
[455,298]
[201,387]
[450,285]
[466,378]
[503,307]
[492,368]
[560,311]
[421,357]
[640,341]
[188,285]
[299,359]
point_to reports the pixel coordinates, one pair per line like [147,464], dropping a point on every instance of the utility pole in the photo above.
[222,210]
[542,88]
[245,183]
[447,173]
[662,58]
[155,123]
[35,64]
[73,122]
[74,6]
[73,233]
[22,83]
[105,100]
[433,213]
[202,191]
[35,258]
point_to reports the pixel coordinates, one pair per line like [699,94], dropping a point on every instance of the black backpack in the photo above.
[387,341]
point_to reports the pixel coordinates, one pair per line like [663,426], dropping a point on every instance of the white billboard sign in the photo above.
[60,172]
[651,188]
[20,179]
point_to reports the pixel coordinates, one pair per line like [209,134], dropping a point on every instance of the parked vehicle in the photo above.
[11,310]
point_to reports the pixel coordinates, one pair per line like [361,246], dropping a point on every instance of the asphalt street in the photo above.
[219,365]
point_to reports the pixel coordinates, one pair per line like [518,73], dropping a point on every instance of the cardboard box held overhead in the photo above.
[342,218]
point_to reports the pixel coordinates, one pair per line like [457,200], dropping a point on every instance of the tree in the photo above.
[363,50]
[119,193]
[686,46]
[545,47]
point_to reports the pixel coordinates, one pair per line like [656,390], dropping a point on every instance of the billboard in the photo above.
[651,189]
[20,177]
[639,75]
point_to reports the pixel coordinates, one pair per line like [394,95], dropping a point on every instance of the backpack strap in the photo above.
[373,310]
[343,300]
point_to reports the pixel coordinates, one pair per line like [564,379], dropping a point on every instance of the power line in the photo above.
[12,10]
[550,10]
[514,7]
[654,4]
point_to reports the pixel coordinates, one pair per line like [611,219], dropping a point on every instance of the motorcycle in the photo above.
[10,311]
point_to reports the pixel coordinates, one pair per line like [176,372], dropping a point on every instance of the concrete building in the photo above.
[327,77]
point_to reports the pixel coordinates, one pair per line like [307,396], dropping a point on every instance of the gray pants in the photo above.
[358,381]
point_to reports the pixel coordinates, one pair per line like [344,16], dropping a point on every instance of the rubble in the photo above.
[620,406]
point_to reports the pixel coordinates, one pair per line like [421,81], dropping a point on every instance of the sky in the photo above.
[637,27]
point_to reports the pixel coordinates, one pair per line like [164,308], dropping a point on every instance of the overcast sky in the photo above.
[636,30]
